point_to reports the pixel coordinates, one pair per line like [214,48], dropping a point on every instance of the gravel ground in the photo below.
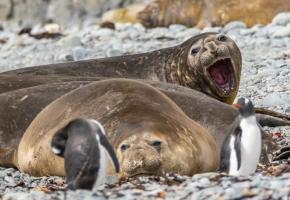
[265,79]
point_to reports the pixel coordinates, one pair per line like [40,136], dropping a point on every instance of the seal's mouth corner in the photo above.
[221,73]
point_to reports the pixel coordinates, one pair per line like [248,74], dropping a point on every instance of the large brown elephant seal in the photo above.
[149,132]
[17,113]
[209,62]
[199,13]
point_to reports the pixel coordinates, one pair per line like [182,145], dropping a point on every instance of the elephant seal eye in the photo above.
[156,144]
[124,147]
[194,50]
[222,38]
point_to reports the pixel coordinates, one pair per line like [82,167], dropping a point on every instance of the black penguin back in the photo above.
[81,154]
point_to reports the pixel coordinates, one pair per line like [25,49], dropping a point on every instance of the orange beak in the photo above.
[236,105]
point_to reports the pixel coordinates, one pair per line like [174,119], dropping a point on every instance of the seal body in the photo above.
[241,150]
[15,109]
[86,152]
[136,116]
[209,63]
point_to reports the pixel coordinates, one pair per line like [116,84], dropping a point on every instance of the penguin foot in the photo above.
[282,154]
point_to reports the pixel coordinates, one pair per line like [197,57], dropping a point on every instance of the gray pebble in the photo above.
[177,28]
[234,25]
[281,19]
[104,33]
[282,32]
[70,41]
[212,29]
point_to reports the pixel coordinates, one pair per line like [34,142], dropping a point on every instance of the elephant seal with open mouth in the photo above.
[209,63]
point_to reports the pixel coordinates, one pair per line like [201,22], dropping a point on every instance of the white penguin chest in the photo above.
[250,147]
[103,167]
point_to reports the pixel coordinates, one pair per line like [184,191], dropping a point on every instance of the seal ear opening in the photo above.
[59,141]
[110,151]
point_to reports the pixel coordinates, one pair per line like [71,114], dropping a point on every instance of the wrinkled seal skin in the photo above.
[178,65]
[17,113]
[161,137]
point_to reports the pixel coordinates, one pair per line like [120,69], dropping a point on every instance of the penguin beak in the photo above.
[236,105]
[110,150]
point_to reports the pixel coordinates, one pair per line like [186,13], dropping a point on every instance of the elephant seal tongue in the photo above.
[221,74]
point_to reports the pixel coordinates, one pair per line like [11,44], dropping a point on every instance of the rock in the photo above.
[212,29]
[158,32]
[281,19]
[52,28]
[70,41]
[250,31]
[177,27]
[234,25]
[104,32]
[190,32]
[282,32]
[10,180]
[139,27]
[113,52]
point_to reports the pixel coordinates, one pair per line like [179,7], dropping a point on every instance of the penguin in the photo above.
[86,152]
[241,148]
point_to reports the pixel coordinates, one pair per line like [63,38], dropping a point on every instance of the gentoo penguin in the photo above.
[86,151]
[241,149]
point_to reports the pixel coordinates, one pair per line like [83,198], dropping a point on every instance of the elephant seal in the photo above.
[17,113]
[199,13]
[149,132]
[209,62]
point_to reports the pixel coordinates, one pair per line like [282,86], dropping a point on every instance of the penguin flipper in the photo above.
[238,135]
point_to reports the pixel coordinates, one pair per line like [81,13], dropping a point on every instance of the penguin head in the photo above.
[245,106]
[79,143]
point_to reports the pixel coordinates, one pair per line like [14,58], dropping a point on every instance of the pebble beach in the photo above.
[265,79]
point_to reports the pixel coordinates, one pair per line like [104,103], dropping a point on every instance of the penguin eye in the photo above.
[195,50]
[124,147]
[222,38]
